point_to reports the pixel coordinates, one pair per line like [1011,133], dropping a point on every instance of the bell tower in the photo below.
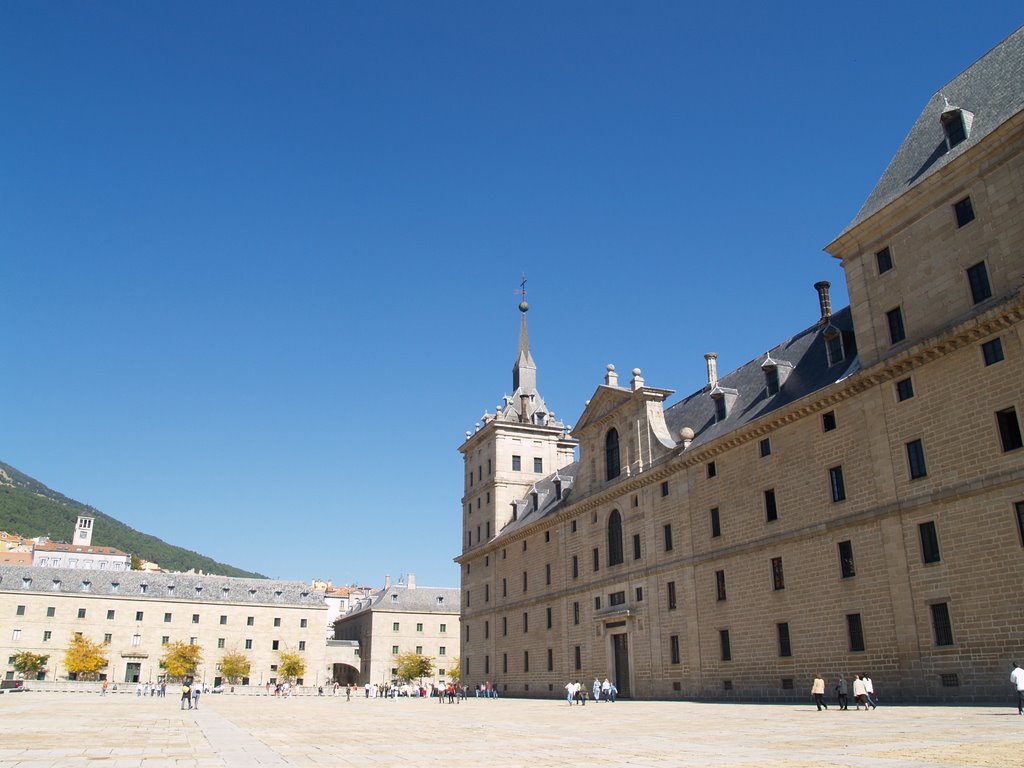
[83,531]
[512,448]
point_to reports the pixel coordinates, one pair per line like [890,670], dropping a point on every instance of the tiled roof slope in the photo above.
[810,372]
[214,589]
[399,598]
[992,88]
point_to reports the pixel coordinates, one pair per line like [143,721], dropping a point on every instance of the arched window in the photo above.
[615,538]
[611,454]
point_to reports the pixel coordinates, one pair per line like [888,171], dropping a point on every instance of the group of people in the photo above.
[190,692]
[576,692]
[863,692]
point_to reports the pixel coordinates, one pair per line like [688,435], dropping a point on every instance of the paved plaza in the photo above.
[45,730]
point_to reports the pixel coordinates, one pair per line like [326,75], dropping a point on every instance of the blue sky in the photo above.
[257,260]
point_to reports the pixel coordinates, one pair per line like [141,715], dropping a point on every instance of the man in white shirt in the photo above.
[869,689]
[1017,678]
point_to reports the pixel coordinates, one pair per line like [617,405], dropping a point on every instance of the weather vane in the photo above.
[521,290]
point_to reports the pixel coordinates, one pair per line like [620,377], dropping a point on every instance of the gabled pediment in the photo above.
[605,401]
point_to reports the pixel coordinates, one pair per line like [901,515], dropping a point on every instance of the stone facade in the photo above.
[137,614]
[403,618]
[853,502]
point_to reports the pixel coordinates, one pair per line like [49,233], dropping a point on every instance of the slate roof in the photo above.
[211,589]
[399,598]
[810,372]
[992,89]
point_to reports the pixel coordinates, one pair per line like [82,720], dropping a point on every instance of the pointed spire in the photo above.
[524,372]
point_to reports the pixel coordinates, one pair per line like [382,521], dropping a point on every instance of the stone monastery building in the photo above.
[851,502]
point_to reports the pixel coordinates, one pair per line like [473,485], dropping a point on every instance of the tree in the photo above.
[292,665]
[84,657]
[181,659]
[234,666]
[455,672]
[414,666]
[29,664]
[136,563]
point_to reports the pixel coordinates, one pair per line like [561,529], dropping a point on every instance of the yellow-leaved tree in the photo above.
[180,660]
[292,665]
[234,666]
[84,658]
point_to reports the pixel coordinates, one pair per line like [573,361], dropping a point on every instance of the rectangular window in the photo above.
[195,618]
[597,603]
[517,463]
[248,644]
[915,459]
[419,627]
[597,559]
[443,628]
[671,587]
[576,613]
[771,512]
[884,260]
[551,660]
[897,333]
[81,613]
[828,421]
[835,480]
[538,465]
[668,537]
[904,389]
[575,567]
[720,584]
[275,645]
[504,626]
[785,649]
[1018,508]
[250,620]
[220,642]
[394,627]
[764,448]
[578,657]
[941,624]
[47,634]
[549,616]
[277,621]
[547,574]
[110,615]
[223,620]
[855,631]
[712,469]
[303,623]
[504,587]
[778,581]
[15,634]
[964,211]
[138,615]
[636,546]
[394,649]
[977,278]
[673,649]
[524,581]
[846,567]
[639,594]
[51,612]
[1009,430]
[929,542]
[526,622]
[724,644]
[664,488]
[992,351]
[716,523]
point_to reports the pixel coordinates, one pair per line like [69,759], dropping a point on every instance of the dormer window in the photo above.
[956,124]
[723,399]
[440,600]
[771,380]
[558,488]
[394,598]
[721,411]
[535,497]
[515,510]
[142,588]
[170,590]
[834,345]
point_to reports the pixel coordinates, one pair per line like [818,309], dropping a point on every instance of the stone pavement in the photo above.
[61,730]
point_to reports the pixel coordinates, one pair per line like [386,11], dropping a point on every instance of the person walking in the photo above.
[597,689]
[843,693]
[196,690]
[860,692]
[186,695]
[1017,678]
[869,691]
[818,692]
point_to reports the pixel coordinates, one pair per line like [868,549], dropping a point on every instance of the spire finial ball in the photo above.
[523,307]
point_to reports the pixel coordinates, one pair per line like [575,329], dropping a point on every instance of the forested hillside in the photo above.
[29,508]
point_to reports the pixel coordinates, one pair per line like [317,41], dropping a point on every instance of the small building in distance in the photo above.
[81,553]
[398,619]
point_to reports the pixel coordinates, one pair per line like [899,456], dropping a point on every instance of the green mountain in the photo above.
[29,508]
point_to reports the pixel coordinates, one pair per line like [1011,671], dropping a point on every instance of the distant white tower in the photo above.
[83,531]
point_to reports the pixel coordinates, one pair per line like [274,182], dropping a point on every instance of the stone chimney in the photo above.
[411,581]
[824,302]
[387,582]
[712,361]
